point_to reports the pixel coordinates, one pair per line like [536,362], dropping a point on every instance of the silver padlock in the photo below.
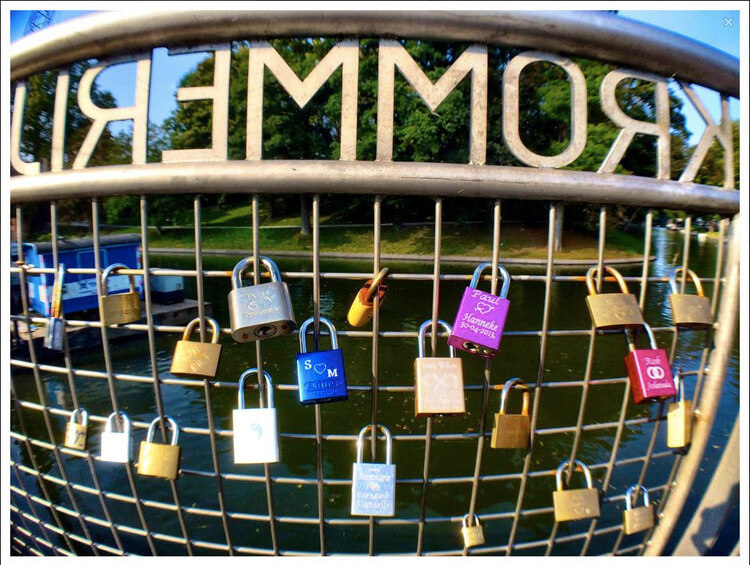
[256,437]
[116,445]
[374,484]
[75,432]
[260,311]
[53,338]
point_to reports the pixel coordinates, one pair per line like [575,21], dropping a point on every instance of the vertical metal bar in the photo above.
[434,335]
[318,417]
[72,386]
[261,379]
[646,259]
[551,245]
[41,391]
[709,401]
[487,370]
[108,367]
[683,279]
[375,351]
[155,367]
[723,224]
[206,382]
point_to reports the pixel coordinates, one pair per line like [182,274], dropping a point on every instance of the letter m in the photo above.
[261,54]
[333,372]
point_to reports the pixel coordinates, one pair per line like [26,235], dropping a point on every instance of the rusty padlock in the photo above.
[363,307]
[613,310]
[195,357]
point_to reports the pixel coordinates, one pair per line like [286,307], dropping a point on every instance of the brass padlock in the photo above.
[195,357]
[362,308]
[259,311]
[121,308]
[75,433]
[575,504]
[512,430]
[640,518]
[679,417]
[160,459]
[689,310]
[438,381]
[471,530]
[613,310]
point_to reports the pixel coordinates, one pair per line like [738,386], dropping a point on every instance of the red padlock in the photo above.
[649,371]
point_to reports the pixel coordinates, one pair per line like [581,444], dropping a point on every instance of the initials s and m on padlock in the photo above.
[320,374]
[195,357]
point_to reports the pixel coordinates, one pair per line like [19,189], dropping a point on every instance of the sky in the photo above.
[710,27]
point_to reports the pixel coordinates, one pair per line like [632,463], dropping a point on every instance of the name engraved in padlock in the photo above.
[198,358]
[436,363]
[373,487]
[485,297]
[478,325]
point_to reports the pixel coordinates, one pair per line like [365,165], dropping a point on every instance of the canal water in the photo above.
[407,305]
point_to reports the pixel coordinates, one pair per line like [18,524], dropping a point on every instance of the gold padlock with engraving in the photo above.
[438,381]
[640,518]
[472,531]
[75,432]
[121,308]
[612,310]
[679,417]
[195,357]
[160,459]
[575,504]
[363,307]
[689,310]
[511,431]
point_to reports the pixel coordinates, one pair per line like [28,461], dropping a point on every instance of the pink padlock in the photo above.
[649,371]
[481,316]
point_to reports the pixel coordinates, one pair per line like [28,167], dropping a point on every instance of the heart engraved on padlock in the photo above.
[160,459]
[639,518]
[261,311]
[374,484]
[575,504]
[75,432]
[255,430]
[123,308]
[196,358]
[321,374]
[438,381]
[648,370]
[480,320]
[689,311]
[116,445]
[613,310]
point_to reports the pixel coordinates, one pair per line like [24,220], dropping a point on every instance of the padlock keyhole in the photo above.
[265,331]
[471,347]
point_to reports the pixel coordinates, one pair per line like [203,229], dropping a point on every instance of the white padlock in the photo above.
[256,437]
[116,445]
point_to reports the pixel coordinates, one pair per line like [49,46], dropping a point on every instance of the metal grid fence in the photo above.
[39,518]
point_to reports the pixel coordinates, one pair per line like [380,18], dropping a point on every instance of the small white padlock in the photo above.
[256,437]
[116,445]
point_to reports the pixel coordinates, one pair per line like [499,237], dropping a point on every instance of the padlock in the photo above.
[362,308]
[195,357]
[374,484]
[679,417]
[116,445]
[512,430]
[575,504]
[260,311]
[256,438]
[648,370]
[689,310]
[614,310]
[471,530]
[121,308]
[160,459]
[438,381]
[75,433]
[481,316]
[320,374]
[53,338]
[640,518]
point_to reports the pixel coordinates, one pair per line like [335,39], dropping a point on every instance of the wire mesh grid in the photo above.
[43,523]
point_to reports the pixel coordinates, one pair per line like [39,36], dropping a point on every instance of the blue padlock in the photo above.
[320,374]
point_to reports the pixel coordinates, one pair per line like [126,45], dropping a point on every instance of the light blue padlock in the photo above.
[374,484]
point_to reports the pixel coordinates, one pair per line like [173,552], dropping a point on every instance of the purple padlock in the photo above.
[649,371]
[481,316]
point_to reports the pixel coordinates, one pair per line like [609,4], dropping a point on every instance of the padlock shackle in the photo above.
[388,442]
[678,384]
[84,416]
[109,426]
[111,269]
[509,384]
[629,496]
[215,330]
[612,271]
[310,322]
[691,275]
[468,518]
[241,391]
[172,424]
[247,263]
[503,274]
[649,332]
[57,291]
[376,282]
[423,332]
[579,465]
